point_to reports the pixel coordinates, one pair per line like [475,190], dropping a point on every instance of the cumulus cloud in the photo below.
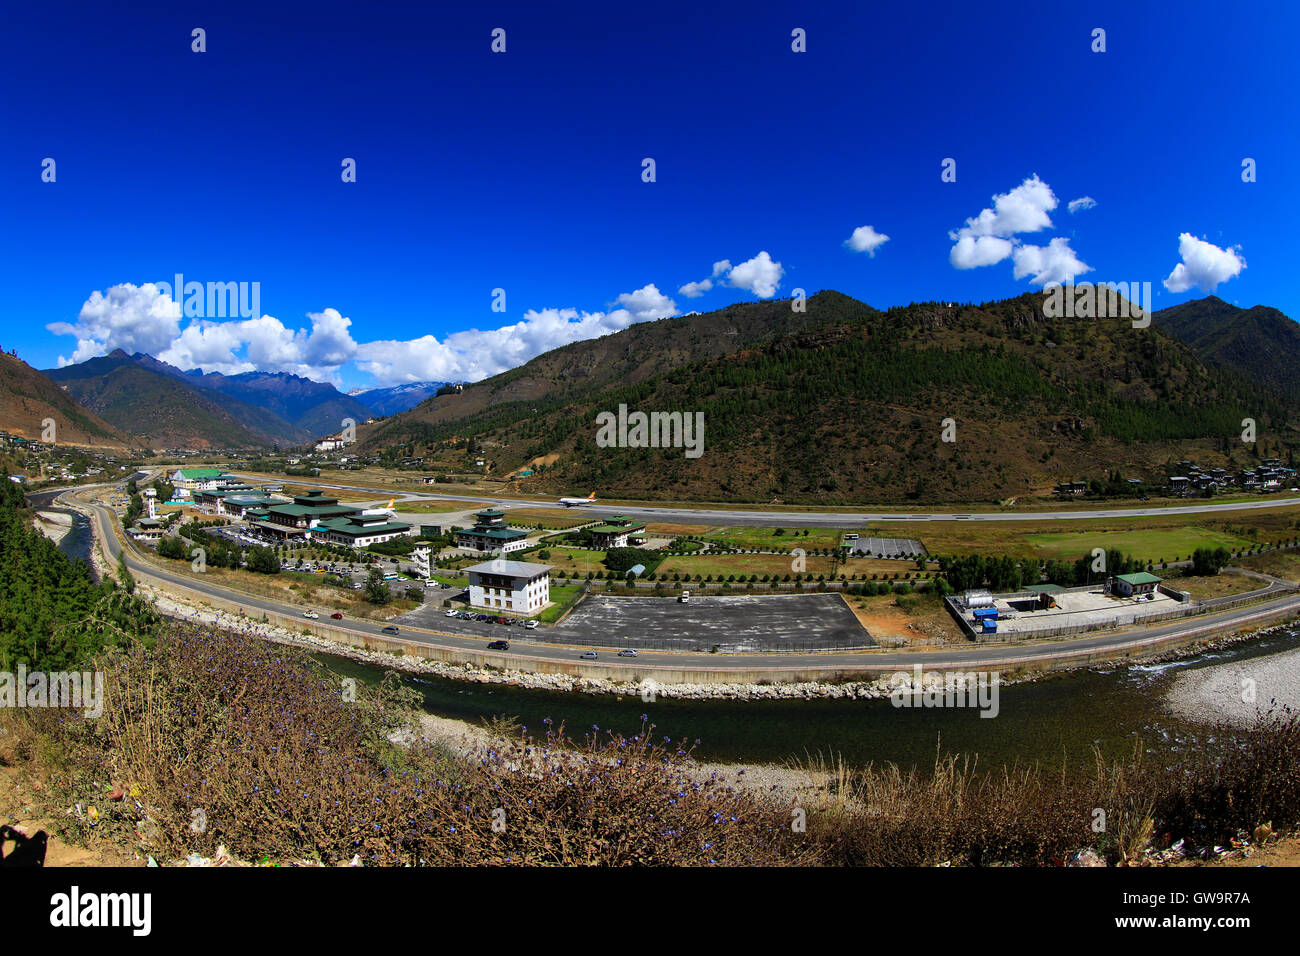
[866,239]
[475,354]
[1055,262]
[971,252]
[1083,202]
[693,290]
[1204,265]
[143,319]
[129,317]
[1023,209]
[992,236]
[760,276]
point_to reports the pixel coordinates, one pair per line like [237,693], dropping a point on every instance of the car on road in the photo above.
[627,652]
[391,629]
[499,646]
[453,613]
[311,614]
[337,616]
[530,624]
[587,656]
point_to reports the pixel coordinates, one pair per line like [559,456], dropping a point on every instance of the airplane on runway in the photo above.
[573,502]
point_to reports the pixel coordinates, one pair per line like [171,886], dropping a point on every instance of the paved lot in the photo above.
[1079,609]
[889,547]
[743,623]
[795,623]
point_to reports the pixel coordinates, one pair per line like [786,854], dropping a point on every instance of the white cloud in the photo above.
[693,290]
[866,239]
[141,319]
[128,317]
[1024,209]
[971,252]
[1055,262]
[991,236]
[759,275]
[1204,265]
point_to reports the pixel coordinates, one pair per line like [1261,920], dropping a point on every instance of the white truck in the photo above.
[684,597]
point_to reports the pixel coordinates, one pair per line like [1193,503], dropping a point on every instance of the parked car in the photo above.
[391,629]
[530,624]
[453,613]
[499,646]
[627,652]
[587,655]
[337,616]
[311,614]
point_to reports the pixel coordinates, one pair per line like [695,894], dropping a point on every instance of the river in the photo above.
[1055,721]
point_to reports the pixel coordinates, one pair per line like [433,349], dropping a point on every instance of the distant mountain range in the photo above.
[398,398]
[174,408]
[837,401]
[843,402]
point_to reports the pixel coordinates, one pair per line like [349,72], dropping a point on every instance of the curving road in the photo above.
[523,655]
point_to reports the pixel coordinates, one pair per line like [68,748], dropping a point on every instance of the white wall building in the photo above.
[516,586]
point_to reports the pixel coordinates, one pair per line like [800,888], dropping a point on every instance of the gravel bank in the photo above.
[1224,691]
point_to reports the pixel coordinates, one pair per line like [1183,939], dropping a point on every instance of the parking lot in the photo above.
[804,622]
[889,547]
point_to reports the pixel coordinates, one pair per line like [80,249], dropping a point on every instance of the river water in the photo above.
[1053,723]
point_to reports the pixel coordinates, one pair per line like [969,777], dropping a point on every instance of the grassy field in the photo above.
[436,507]
[768,538]
[553,519]
[577,560]
[1165,535]
[1149,544]
[1280,564]
[1203,588]
[561,597]
[727,564]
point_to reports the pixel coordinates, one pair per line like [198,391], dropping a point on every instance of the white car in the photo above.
[451,613]
[311,614]
[530,624]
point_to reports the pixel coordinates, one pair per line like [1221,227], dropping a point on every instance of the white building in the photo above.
[516,586]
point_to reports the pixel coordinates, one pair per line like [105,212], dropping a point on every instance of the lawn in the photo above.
[727,564]
[553,519]
[561,597]
[435,507]
[767,538]
[576,560]
[1147,544]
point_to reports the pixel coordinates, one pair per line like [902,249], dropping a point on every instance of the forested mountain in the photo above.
[853,409]
[1260,342]
[28,398]
[53,616]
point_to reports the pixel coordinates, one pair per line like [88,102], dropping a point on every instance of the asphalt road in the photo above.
[815,519]
[522,655]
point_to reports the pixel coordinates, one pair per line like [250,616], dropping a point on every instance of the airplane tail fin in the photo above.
[591,497]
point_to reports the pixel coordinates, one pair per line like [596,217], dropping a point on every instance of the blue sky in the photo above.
[523,170]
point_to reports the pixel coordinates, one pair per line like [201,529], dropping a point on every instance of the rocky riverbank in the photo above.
[1236,691]
[55,525]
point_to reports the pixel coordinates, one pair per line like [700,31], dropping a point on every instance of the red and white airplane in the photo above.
[574,502]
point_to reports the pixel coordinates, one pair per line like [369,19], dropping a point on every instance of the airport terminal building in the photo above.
[491,534]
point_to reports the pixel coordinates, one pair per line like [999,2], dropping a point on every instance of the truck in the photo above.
[684,597]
